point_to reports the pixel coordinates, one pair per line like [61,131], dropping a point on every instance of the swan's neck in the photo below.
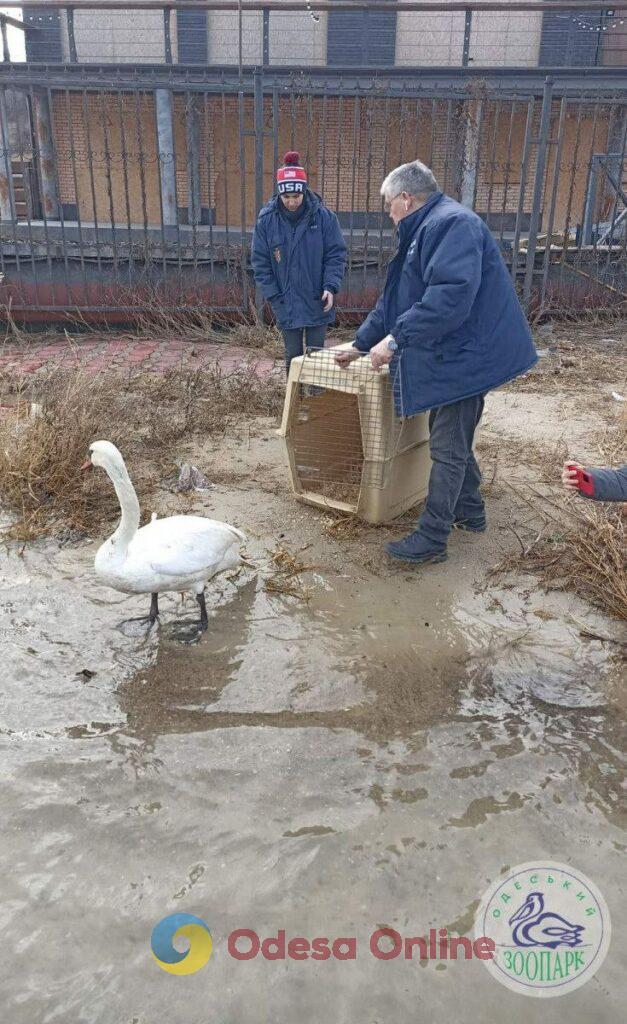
[129,523]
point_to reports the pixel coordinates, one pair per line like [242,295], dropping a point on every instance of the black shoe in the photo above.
[476,525]
[416,548]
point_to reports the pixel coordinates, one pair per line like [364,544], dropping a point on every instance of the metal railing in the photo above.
[524,33]
[124,187]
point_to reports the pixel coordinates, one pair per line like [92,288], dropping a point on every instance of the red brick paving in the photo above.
[128,354]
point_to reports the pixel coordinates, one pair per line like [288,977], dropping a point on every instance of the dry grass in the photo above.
[185,402]
[201,325]
[197,325]
[284,578]
[587,357]
[580,547]
[148,417]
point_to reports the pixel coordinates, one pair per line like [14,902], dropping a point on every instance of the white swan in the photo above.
[177,553]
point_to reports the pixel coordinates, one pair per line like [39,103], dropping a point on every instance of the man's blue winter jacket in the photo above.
[293,266]
[450,304]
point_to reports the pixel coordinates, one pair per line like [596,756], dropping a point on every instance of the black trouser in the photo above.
[455,477]
[293,338]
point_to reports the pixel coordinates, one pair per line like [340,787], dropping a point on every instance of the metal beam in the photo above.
[5,19]
[409,81]
[317,5]
[466,43]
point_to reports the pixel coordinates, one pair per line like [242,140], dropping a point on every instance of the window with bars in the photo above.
[191,33]
[365,38]
[44,45]
[571,38]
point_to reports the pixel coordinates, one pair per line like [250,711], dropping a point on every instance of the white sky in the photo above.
[14,35]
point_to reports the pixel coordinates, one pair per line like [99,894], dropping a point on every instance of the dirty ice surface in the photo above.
[376,757]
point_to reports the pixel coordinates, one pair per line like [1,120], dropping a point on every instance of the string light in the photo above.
[597,28]
[312,13]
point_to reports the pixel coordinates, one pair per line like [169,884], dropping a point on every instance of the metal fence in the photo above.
[123,189]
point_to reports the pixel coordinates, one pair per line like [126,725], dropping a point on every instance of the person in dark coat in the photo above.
[451,327]
[298,258]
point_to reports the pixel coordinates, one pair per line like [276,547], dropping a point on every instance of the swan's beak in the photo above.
[88,464]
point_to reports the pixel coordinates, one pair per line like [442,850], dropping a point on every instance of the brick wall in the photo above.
[347,148]
[115,123]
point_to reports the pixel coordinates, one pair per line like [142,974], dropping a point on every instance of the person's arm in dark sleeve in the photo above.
[334,255]
[372,330]
[262,264]
[609,484]
[451,258]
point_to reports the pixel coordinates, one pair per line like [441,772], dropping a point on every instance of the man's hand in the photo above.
[380,354]
[328,299]
[346,356]
[570,478]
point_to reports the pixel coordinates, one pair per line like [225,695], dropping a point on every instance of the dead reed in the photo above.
[149,417]
[581,547]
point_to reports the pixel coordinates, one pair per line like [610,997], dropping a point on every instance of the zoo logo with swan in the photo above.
[550,925]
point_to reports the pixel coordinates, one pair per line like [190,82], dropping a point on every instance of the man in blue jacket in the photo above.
[451,327]
[298,258]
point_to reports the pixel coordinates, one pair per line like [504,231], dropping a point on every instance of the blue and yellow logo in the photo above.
[172,927]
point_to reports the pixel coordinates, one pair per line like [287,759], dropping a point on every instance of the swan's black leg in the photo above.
[204,621]
[154,609]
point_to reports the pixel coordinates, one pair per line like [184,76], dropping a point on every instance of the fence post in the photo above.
[538,188]
[259,140]
[45,148]
[165,142]
[590,201]
[192,131]
[7,194]
[470,157]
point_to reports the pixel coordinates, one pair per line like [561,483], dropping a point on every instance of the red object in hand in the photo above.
[585,483]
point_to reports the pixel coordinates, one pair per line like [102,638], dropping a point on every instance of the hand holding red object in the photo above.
[576,477]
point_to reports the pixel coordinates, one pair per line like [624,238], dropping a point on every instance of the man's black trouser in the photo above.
[455,477]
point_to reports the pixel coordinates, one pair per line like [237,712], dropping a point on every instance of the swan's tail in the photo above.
[238,533]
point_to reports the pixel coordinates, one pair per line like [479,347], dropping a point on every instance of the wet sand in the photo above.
[373,757]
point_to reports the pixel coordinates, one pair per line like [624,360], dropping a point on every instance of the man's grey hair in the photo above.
[415,178]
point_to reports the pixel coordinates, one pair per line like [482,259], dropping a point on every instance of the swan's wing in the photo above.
[187,552]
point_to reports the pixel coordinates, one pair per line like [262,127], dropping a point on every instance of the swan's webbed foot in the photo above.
[204,620]
[154,609]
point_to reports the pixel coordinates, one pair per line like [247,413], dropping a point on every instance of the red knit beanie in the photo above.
[291,178]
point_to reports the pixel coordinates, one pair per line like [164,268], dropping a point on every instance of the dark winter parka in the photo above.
[450,304]
[293,266]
